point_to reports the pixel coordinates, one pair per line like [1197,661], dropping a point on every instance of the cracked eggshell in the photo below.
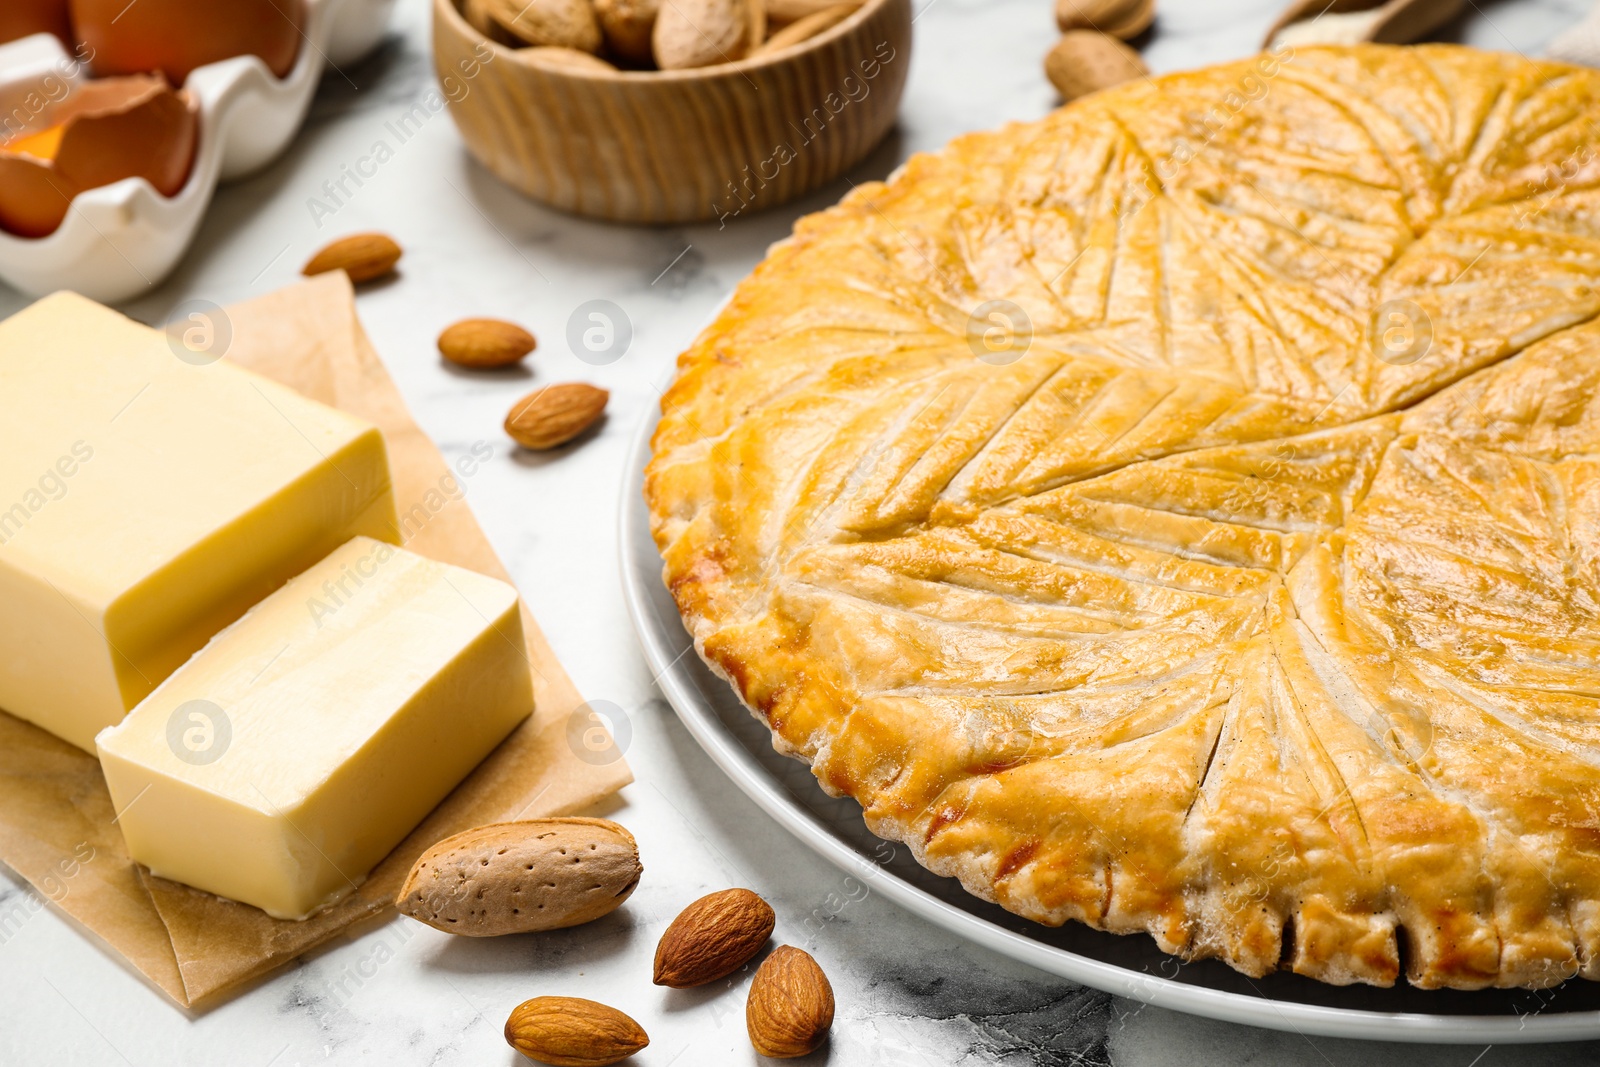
[122,239]
[176,36]
[103,132]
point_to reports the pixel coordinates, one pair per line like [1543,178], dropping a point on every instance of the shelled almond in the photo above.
[573,1032]
[363,256]
[790,1008]
[485,344]
[712,938]
[552,416]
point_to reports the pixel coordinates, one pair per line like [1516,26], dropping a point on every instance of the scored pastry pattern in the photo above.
[1251,598]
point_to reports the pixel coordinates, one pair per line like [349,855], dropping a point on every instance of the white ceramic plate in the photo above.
[1129,966]
[123,238]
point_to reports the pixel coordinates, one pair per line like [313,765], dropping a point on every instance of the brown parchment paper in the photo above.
[56,818]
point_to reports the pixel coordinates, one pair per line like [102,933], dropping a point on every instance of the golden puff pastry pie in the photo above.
[1247,591]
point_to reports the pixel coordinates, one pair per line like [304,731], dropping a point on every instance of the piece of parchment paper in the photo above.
[57,825]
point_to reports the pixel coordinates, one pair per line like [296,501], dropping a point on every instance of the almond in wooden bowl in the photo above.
[627,26]
[710,142]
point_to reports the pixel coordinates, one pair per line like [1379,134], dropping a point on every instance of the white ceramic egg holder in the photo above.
[121,239]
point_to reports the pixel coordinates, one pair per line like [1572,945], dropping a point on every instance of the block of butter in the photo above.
[293,752]
[148,497]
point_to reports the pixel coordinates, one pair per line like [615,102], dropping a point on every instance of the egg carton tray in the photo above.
[119,240]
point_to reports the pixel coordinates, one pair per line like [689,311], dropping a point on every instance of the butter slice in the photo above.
[147,502]
[299,747]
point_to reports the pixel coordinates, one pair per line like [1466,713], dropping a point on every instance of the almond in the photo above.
[550,55]
[520,877]
[1084,62]
[554,415]
[1125,19]
[712,938]
[791,1005]
[486,343]
[626,26]
[783,12]
[363,256]
[476,12]
[806,28]
[572,1032]
[479,17]
[563,23]
[700,33]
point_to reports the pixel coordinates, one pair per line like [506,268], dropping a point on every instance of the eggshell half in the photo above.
[107,130]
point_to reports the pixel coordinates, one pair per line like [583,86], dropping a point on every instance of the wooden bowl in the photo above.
[677,146]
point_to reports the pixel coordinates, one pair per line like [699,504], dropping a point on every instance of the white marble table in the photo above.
[402,994]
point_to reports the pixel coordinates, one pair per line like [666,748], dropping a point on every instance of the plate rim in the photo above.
[1158,991]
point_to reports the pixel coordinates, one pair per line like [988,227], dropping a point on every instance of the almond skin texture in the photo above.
[554,415]
[484,344]
[791,1005]
[363,256]
[572,1032]
[1125,19]
[1085,62]
[626,26]
[562,23]
[700,33]
[520,877]
[712,938]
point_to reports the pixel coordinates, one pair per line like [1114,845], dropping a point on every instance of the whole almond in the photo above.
[1085,62]
[783,12]
[563,23]
[519,877]
[572,1032]
[554,415]
[806,28]
[481,18]
[484,344]
[476,12]
[549,55]
[1394,22]
[712,938]
[791,1005]
[626,26]
[1125,19]
[699,33]
[363,256]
